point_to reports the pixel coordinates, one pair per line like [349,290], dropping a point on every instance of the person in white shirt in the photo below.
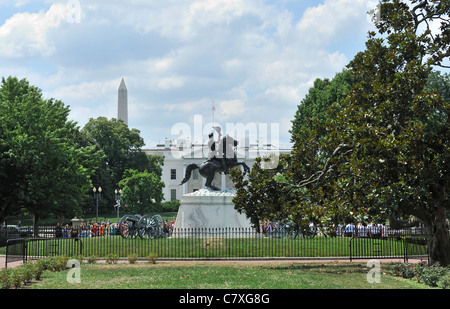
[362,230]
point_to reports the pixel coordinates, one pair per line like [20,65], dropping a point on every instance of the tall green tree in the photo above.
[122,148]
[393,128]
[315,105]
[141,191]
[384,151]
[44,171]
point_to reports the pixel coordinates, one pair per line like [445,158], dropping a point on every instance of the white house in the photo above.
[178,154]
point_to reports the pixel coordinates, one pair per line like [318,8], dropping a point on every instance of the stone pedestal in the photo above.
[77,222]
[206,209]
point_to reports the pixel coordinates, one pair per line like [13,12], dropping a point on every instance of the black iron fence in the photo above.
[224,243]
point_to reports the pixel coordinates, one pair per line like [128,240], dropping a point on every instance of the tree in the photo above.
[395,127]
[44,171]
[141,191]
[320,97]
[384,150]
[122,148]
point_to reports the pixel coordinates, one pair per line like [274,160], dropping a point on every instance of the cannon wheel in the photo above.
[151,227]
[128,226]
[309,231]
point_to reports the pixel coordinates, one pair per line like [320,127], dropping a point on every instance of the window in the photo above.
[173,194]
[173,174]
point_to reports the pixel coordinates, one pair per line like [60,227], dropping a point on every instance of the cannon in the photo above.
[128,226]
[144,227]
[151,227]
[292,231]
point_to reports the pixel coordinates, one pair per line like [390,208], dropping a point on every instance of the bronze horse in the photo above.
[210,167]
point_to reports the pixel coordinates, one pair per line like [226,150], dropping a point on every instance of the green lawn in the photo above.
[225,275]
[218,247]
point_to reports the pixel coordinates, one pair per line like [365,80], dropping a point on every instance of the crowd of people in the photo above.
[94,229]
[374,230]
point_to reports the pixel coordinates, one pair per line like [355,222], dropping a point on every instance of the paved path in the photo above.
[299,260]
[11,264]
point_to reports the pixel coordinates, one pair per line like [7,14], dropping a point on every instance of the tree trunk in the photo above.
[439,238]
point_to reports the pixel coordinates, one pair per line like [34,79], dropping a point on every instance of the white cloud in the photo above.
[25,33]
[331,21]
[256,59]
[231,108]
[171,82]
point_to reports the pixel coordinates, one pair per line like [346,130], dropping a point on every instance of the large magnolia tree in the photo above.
[384,149]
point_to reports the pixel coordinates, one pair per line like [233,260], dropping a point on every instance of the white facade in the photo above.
[177,158]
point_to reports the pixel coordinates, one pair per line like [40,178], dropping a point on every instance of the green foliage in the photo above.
[21,275]
[444,281]
[92,259]
[112,258]
[5,278]
[132,258]
[378,151]
[324,93]
[170,206]
[152,258]
[433,275]
[141,191]
[121,148]
[44,170]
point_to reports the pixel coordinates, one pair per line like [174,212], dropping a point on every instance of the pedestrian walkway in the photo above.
[11,264]
[302,260]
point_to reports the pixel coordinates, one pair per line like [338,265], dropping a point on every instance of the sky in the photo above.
[253,60]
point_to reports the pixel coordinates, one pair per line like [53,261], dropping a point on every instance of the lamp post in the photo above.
[96,197]
[118,198]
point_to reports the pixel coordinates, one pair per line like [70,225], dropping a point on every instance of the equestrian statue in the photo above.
[220,160]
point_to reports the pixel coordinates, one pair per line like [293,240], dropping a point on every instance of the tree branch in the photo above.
[342,149]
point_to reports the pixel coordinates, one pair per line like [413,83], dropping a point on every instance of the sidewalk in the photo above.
[11,264]
[279,260]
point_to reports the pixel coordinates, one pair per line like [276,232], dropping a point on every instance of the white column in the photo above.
[224,182]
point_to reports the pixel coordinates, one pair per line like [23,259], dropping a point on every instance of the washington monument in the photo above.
[122,111]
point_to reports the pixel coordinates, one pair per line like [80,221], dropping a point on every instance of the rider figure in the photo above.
[225,152]
[217,154]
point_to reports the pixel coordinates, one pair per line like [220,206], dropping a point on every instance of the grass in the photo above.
[217,247]
[225,275]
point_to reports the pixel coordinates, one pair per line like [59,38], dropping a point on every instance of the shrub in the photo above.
[431,274]
[444,281]
[16,277]
[404,270]
[132,258]
[38,269]
[5,278]
[92,259]
[61,262]
[27,272]
[170,206]
[112,258]
[152,257]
